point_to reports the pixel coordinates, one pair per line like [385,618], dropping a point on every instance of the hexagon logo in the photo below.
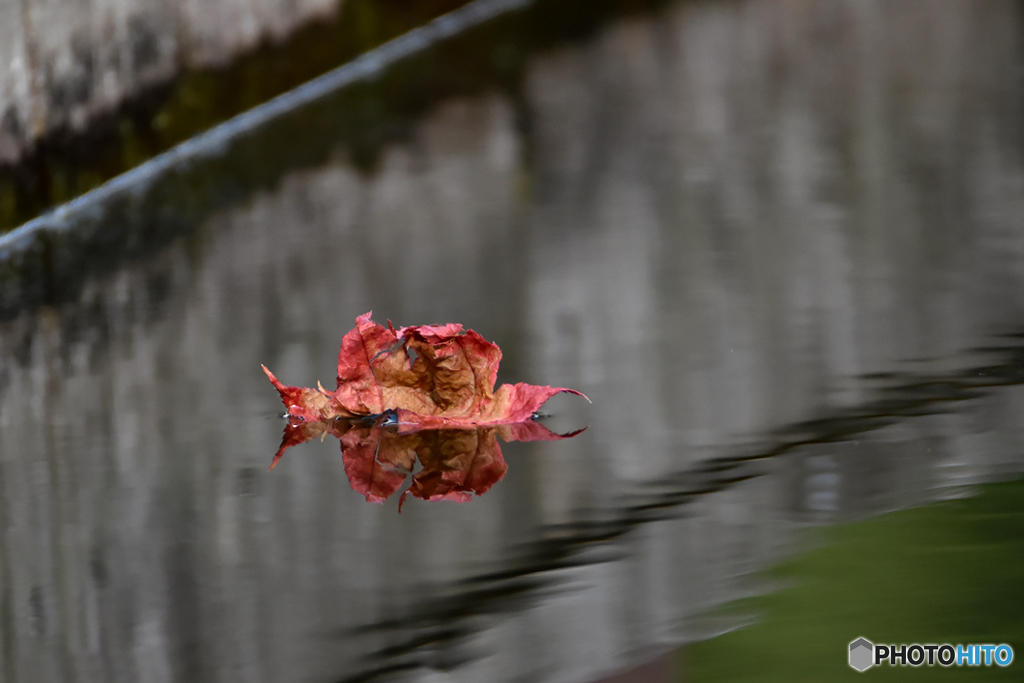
[862,654]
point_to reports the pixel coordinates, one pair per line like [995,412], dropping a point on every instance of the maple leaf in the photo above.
[427,376]
[423,393]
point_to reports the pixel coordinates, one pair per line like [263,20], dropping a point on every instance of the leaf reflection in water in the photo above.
[379,456]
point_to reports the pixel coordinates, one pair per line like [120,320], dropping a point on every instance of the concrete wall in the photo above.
[63,61]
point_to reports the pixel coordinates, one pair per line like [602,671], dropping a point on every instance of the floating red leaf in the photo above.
[424,393]
[429,376]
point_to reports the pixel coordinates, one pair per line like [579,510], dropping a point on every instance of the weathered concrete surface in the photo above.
[64,61]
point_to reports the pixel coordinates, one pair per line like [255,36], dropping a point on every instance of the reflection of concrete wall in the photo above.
[61,62]
[718,216]
[780,197]
[143,539]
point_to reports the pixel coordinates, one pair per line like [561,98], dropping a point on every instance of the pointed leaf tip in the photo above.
[307,404]
[273,380]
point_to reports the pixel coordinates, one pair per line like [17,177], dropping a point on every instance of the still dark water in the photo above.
[769,240]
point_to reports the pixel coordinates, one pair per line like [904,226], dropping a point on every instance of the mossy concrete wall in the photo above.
[62,62]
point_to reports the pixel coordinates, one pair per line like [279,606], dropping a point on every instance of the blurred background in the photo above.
[778,243]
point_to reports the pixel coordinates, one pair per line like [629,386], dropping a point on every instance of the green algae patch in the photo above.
[949,572]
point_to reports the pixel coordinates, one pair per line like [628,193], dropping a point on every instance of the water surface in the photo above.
[769,241]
